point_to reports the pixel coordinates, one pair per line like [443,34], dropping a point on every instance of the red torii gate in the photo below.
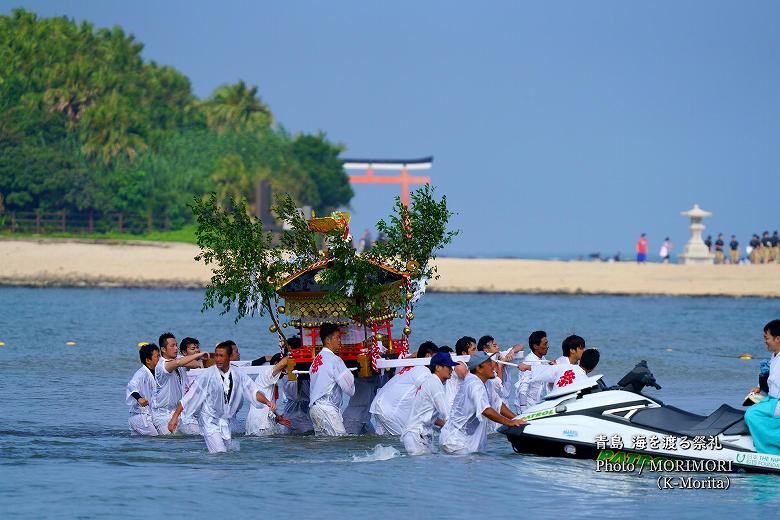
[404,179]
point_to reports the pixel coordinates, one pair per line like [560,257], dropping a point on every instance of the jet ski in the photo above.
[620,425]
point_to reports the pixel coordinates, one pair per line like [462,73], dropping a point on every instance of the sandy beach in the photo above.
[77,263]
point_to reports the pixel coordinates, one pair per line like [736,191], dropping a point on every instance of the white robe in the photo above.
[330,381]
[528,392]
[189,424]
[207,398]
[428,404]
[495,390]
[466,428]
[140,420]
[451,387]
[559,375]
[167,394]
[393,402]
[261,421]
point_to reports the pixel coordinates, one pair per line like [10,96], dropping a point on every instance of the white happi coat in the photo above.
[451,387]
[261,420]
[208,398]
[528,392]
[170,386]
[466,428]
[495,391]
[330,380]
[428,404]
[559,375]
[393,402]
[189,425]
[143,383]
[140,420]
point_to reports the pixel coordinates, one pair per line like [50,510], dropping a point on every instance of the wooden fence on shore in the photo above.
[43,223]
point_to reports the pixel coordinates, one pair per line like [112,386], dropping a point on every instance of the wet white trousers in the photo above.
[327,420]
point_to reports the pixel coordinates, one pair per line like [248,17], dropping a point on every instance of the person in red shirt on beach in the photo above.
[641,249]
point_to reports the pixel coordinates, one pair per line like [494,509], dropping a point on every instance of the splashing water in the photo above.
[378,453]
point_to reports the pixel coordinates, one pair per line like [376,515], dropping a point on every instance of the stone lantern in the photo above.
[696,251]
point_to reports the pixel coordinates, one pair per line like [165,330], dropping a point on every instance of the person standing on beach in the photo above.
[755,249]
[641,249]
[666,250]
[775,239]
[140,390]
[330,381]
[734,250]
[719,259]
[766,248]
[170,375]
[708,243]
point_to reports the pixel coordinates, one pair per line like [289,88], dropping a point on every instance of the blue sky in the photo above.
[556,128]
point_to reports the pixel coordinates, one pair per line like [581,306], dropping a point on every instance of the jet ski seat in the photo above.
[666,418]
[680,422]
[718,421]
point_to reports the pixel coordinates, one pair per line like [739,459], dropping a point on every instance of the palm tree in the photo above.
[237,107]
[112,129]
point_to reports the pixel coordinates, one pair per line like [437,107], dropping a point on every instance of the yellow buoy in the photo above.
[745,356]
[669,350]
[2,343]
[142,343]
[71,343]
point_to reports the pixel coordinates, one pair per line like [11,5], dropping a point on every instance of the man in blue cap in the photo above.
[466,428]
[429,406]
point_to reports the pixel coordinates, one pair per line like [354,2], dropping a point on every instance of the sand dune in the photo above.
[75,263]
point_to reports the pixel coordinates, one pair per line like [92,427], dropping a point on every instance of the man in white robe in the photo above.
[429,407]
[330,381]
[466,428]
[216,396]
[140,390]
[573,347]
[563,375]
[262,421]
[530,393]
[393,402]
[189,346]
[170,375]
[501,384]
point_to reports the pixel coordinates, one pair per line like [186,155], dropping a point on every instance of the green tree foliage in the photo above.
[237,107]
[248,263]
[87,124]
[320,160]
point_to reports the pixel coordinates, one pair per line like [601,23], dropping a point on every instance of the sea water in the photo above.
[65,448]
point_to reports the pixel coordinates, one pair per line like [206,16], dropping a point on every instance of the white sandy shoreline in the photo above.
[83,263]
